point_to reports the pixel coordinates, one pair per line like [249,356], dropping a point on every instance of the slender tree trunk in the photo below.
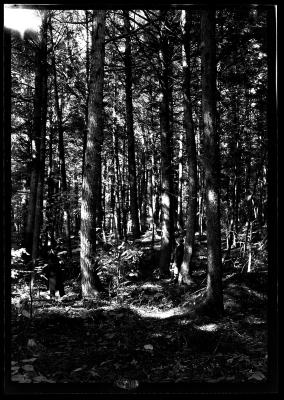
[85,132]
[153,202]
[124,192]
[211,161]
[91,190]
[130,132]
[50,209]
[236,159]
[38,130]
[66,211]
[118,187]
[43,112]
[180,224]
[186,267]
[117,164]
[166,162]
[143,184]
[35,147]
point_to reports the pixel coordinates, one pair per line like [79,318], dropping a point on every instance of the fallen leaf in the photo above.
[14,370]
[105,362]
[77,369]
[29,360]
[28,368]
[258,376]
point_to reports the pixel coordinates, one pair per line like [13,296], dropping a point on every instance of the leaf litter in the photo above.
[152,335]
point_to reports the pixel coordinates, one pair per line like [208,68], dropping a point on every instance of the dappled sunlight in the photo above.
[212,197]
[149,127]
[158,314]
[86,190]
[208,120]
[208,327]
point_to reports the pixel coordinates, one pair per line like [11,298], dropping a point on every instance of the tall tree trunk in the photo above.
[118,185]
[41,157]
[186,267]
[66,211]
[50,209]
[116,167]
[143,192]
[180,223]
[166,151]
[85,132]
[235,154]
[91,190]
[130,132]
[35,147]
[124,201]
[211,161]
[38,130]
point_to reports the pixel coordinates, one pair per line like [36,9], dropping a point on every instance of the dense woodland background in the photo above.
[129,130]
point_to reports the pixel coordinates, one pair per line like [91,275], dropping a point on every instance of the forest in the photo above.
[142,147]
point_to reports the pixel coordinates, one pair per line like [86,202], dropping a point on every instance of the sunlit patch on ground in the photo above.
[140,330]
[208,327]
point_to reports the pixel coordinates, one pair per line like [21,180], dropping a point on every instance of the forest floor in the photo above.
[143,330]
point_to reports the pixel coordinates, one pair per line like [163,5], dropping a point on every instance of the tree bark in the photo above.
[130,133]
[66,211]
[180,216]
[166,162]
[35,149]
[91,190]
[41,156]
[211,161]
[186,267]
[50,208]
[33,221]
[85,132]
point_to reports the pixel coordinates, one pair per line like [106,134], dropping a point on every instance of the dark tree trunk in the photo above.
[66,211]
[38,219]
[85,132]
[50,209]
[180,216]
[34,217]
[211,161]
[143,192]
[186,267]
[166,151]
[130,132]
[118,185]
[91,190]
[35,149]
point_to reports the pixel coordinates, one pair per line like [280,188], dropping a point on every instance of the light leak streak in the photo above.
[21,19]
